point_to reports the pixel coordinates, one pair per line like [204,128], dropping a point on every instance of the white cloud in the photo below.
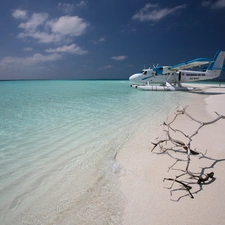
[40,28]
[213,5]
[82,4]
[52,31]
[152,12]
[219,4]
[102,39]
[66,7]
[105,67]
[42,37]
[108,66]
[29,61]
[205,3]
[68,25]
[27,49]
[73,48]
[33,28]
[36,20]
[19,14]
[119,58]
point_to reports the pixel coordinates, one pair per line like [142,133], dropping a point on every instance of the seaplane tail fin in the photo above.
[216,66]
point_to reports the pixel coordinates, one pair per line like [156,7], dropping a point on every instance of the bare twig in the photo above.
[177,145]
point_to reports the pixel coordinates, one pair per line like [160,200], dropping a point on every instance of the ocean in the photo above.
[58,144]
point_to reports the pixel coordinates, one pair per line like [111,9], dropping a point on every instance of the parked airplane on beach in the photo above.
[171,77]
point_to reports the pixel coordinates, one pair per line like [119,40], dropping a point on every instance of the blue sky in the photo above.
[105,39]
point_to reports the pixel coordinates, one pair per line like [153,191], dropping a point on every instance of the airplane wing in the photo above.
[191,64]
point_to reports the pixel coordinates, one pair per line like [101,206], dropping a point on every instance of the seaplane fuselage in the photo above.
[179,74]
[182,76]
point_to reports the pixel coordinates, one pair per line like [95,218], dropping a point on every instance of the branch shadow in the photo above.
[200,185]
[190,182]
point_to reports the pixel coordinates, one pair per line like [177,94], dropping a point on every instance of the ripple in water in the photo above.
[58,141]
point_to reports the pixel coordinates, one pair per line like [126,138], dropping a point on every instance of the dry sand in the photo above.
[147,199]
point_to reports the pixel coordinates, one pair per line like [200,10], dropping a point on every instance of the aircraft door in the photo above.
[179,76]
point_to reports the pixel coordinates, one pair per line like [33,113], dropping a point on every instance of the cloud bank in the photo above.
[73,49]
[29,61]
[40,28]
[46,30]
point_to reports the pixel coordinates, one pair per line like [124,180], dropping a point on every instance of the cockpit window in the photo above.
[144,72]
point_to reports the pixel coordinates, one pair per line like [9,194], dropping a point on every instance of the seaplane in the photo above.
[170,78]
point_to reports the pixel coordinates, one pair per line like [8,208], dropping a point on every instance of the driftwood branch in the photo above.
[187,187]
[184,148]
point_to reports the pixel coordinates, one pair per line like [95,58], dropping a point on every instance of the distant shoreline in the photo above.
[196,82]
[65,80]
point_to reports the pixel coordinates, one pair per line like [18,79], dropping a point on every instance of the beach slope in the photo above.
[148,201]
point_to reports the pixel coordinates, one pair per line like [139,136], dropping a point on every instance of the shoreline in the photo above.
[147,199]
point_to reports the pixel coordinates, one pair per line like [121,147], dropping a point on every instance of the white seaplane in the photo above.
[169,78]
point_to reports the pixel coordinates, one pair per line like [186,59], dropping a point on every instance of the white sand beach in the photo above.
[148,201]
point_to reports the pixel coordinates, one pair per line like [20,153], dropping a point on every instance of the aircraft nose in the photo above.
[133,78]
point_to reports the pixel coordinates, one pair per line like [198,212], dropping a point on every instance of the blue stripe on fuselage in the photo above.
[145,78]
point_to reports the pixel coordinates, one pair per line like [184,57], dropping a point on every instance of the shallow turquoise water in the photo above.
[57,145]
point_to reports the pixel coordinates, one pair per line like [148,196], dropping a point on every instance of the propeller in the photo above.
[155,66]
